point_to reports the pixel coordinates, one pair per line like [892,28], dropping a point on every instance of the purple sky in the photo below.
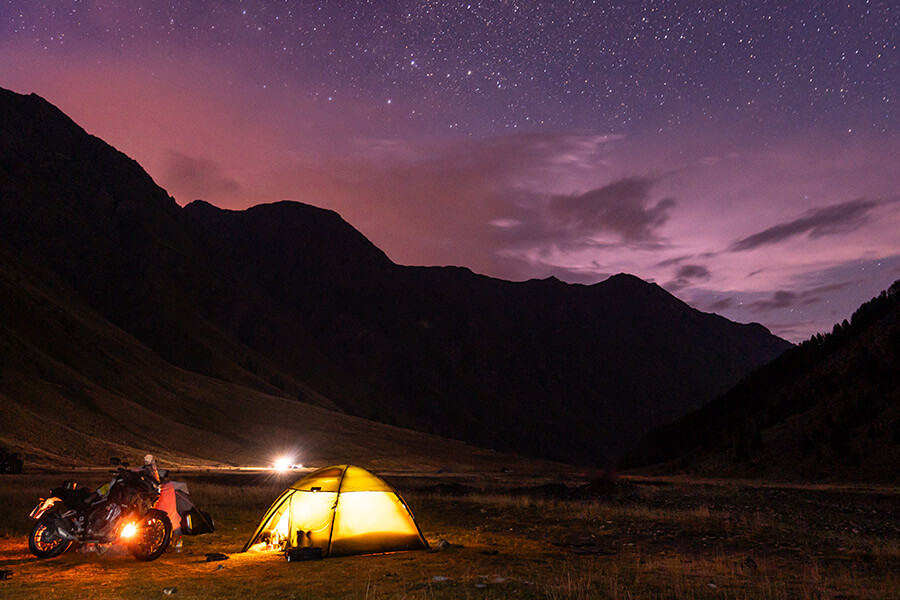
[746,156]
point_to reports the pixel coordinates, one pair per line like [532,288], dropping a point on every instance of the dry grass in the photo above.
[680,541]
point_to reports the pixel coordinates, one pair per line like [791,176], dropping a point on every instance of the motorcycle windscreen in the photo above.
[372,522]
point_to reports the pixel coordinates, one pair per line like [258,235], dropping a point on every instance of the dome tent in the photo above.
[342,509]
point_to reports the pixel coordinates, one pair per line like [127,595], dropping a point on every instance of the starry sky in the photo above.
[743,155]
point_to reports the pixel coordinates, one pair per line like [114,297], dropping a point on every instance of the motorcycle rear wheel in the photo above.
[154,535]
[44,542]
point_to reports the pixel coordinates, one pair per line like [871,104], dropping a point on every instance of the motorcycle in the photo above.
[120,512]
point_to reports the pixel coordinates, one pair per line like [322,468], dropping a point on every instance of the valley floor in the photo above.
[508,536]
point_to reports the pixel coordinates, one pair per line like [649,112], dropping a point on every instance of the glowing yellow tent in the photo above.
[342,510]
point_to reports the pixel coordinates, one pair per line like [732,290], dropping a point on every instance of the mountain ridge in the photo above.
[289,300]
[445,313]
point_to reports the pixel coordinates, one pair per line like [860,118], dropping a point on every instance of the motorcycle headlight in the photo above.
[128,531]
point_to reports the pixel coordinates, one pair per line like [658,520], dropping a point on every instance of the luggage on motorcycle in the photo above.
[176,502]
[74,496]
[196,521]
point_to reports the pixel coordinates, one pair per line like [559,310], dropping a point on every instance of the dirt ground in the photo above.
[506,535]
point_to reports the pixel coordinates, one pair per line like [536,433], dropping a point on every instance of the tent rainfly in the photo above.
[341,509]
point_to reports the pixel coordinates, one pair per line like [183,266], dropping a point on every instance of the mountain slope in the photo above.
[92,216]
[568,371]
[290,301]
[75,390]
[829,408]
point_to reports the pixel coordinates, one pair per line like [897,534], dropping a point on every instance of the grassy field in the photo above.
[509,537]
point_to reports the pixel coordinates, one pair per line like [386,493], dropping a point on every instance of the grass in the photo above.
[642,541]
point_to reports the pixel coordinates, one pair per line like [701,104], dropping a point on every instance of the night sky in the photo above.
[743,155]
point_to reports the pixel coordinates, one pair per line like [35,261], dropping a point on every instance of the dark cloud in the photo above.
[723,304]
[693,272]
[198,177]
[620,215]
[819,222]
[786,299]
[673,261]
[622,207]
[686,275]
[832,287]
[780,299]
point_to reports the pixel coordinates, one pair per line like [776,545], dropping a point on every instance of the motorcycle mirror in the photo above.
[124,464]
[163,473]
[115,460]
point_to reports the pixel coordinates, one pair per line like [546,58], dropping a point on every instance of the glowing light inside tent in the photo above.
[128,531]
[277,537]
[363,513]
[282,527]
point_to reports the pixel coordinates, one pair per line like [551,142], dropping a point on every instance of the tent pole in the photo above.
[337,498]
[413,517]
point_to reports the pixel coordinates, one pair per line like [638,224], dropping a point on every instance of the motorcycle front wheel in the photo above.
[44,542]
[153,537]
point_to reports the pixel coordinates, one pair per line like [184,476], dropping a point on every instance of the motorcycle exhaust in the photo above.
[63,533]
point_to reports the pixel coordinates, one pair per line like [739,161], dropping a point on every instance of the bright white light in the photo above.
[128,531]
[283,463]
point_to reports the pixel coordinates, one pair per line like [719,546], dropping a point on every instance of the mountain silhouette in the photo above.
[828,408]
[570,372]
[290,301]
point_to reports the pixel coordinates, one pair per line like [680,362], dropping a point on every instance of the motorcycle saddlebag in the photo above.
[196,521]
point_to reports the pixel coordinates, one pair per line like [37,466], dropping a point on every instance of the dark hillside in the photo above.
[829,408]
[76,206]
